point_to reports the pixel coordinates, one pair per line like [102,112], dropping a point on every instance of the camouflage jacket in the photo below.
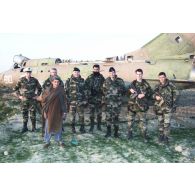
[113,91]
[28,89]
[168,93]
[75,90]
[47,83]
[94,87]
[135,104]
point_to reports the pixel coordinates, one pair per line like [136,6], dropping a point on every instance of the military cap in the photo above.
[28,69]
[76,69]
[111,69]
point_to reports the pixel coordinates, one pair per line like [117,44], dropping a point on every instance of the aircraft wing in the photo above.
[180,84]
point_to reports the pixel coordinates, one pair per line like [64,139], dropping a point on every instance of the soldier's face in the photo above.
[112,74]
[76,74]
[55,83]
[53,73]
[95,69]
[139,76]
[162,79]
[28,74]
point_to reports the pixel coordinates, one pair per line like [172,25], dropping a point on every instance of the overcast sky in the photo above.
[84,29]
[78,46]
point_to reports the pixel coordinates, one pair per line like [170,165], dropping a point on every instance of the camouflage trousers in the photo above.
[27,106]
[112,115]
[73,110]
[142,120]
[95,108]
[164,120]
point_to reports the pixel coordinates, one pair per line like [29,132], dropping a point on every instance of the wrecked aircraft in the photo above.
[173,53]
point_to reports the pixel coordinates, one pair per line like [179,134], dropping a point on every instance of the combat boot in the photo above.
[166,134]
[82,129]
[25,128]
[73,128]
[92,126]
[99,124]
[33,125]
[116,134]
[43,127]
[145,136]
[130,135]
[46,145]
[108,133]
[166,140]
[161,136]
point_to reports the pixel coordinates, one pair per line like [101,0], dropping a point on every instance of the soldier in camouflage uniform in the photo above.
[113,89]
[139,93]
[27,90]
[76,98]
[165,95]
[94,87]
[47,83]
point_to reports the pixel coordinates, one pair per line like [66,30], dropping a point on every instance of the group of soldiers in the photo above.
[96,92]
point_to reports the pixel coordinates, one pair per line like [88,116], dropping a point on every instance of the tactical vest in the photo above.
[166,94]
[135,104]
[114,89]
[28,88]
[75,89]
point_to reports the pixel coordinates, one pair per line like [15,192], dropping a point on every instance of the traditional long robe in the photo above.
[53,101]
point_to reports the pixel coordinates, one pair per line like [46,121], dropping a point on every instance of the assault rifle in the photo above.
[167,99]
[142,103]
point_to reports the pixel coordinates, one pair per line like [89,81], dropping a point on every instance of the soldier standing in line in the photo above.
[113,89]
[48,82]
[139,93]
[94,87]
[76,98]
[27,90]
[165,95]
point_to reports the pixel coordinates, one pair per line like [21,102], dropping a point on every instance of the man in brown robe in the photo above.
[54,110]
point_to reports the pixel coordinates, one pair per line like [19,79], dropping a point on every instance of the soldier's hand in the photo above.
[35,98]
[21,97]
[132,90]
[140,96]
[158,98]
[39,98]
